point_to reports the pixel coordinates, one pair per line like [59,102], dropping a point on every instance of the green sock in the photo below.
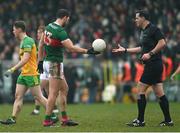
[63,113]
[47,117]
[37,107]
[53,115]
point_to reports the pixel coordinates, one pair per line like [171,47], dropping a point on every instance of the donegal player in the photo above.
[29,77]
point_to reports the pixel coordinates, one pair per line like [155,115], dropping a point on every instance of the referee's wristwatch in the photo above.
[151,53]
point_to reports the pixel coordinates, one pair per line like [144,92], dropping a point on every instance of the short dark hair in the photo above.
[20,24]
[143,13]
[62,13]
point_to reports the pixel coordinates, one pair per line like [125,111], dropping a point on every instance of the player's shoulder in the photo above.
[28,41]
[153,28]
[54,26]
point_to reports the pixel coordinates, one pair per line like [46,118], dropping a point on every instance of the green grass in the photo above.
[94,118]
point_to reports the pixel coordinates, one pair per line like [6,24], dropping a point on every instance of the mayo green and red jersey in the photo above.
[54,35]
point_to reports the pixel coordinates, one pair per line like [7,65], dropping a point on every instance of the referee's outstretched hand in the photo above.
[119,49]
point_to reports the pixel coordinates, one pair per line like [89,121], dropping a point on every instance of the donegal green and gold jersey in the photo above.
[30,68]
[54,35]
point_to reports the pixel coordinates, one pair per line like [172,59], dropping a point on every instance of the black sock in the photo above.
[37,107]
[164,104]
[141,107]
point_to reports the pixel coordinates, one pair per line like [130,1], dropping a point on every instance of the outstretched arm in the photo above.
[121,49]
[71,48]
[69,45]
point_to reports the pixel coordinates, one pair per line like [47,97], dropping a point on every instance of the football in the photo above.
[99,45]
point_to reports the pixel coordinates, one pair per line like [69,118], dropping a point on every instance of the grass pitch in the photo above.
[94,118]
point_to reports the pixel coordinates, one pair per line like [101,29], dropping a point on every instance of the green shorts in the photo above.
[28,81]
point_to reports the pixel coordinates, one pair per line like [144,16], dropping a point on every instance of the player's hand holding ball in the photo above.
[91,51]
[98,46]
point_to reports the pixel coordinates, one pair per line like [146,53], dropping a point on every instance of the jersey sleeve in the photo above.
[63,35]
[27,45]
[158,34]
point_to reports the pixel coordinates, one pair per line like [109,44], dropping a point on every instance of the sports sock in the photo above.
[53,115]
[37,107]
[47,117]
[141,107]
[64,115]
[55,110]
[164,104]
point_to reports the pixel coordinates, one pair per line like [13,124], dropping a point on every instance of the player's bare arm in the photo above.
[40,48]
[71,48]
[176,72]
[40,53]
[20,64]
[160,45]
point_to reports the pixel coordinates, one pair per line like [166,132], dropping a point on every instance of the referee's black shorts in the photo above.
[152,72]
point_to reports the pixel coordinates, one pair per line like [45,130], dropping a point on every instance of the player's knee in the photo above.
[18,96]
[64,91]
[53,94]
[159,93]
[52,98]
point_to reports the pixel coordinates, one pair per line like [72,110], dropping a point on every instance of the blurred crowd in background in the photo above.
[112,20]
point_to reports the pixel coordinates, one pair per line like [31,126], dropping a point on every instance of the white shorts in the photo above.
[45,74]
[52,69]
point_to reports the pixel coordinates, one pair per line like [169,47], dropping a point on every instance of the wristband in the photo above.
[151,53]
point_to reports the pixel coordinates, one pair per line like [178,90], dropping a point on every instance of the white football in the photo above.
[99,45]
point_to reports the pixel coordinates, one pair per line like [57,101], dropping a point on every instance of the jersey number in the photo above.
[47,38]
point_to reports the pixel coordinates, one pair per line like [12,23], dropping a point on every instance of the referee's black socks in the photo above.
[164,104]
[141,102]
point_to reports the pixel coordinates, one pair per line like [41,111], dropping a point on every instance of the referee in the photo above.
[152,41]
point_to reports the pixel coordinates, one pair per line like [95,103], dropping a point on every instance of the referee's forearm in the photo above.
[134,50]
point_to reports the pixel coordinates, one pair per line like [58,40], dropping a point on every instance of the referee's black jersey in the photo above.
[149,38]
[153,68]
